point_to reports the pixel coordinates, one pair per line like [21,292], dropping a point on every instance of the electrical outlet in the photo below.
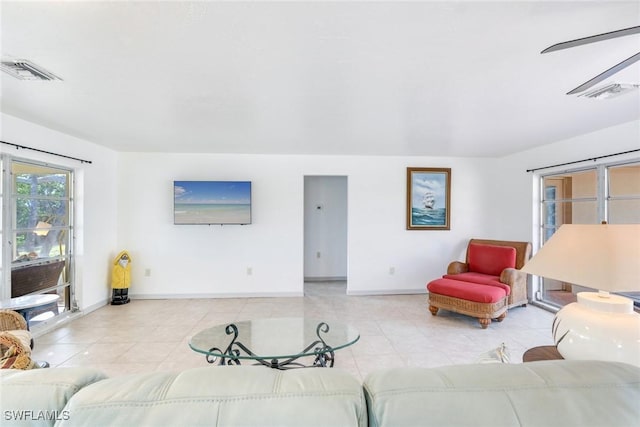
[249,271]
[147,272]
[318,254]
[392,270]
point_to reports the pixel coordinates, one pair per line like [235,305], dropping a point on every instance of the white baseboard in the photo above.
[275,294]
[94,307]
[224,295]
[387,292]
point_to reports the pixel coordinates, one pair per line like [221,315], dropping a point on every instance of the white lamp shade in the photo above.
[599,256]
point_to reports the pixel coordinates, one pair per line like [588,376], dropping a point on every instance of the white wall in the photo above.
[378,238]
[213,260]
[325,227]
[126,202]
[96,215]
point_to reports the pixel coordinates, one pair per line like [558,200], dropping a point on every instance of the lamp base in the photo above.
[598,327]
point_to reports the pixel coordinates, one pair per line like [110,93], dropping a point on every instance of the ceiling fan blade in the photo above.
[606,74]
[592,39]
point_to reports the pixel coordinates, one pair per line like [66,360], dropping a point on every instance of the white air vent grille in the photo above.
[26,70]
[610,91]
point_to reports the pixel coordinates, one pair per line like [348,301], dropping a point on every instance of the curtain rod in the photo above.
[46,152]
[584,160]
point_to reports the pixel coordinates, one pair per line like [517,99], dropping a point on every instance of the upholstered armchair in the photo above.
[510,276]
[487,284]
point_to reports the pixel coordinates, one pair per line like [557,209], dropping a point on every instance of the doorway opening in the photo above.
[325,235]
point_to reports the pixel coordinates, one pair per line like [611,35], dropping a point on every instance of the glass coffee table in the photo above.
[278,343]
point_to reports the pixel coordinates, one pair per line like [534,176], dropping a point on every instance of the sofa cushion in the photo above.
[223,396]
[467,290]
[549,393]
[480,278]
[473,277]
[490,259]
[38,397]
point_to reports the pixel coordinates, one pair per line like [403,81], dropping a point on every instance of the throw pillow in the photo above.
[14,355]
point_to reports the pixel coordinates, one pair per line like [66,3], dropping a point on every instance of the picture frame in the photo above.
[428,198]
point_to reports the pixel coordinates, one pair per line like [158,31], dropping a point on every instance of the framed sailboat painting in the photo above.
[428,198]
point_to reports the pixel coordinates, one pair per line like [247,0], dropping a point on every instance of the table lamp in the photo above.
[605,257]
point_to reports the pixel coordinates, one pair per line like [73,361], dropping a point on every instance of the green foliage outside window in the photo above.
[41,199]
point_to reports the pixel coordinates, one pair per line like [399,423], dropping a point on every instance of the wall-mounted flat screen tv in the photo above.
[212,202]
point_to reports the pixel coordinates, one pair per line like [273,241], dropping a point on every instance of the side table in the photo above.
[544,352]
[31,305]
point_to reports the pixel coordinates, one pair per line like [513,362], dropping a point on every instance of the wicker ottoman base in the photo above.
[483,311]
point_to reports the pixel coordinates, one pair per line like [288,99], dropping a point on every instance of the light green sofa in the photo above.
[553,393]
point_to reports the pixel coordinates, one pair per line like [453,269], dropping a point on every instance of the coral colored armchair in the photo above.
[487,284]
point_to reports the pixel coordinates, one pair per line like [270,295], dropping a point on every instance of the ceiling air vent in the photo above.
[26,70]
[610,91]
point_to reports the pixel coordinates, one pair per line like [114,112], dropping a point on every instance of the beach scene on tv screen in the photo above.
[212,202]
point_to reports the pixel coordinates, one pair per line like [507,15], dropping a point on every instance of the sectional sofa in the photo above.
[549,393]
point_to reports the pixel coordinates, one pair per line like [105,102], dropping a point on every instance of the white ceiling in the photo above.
[448,78]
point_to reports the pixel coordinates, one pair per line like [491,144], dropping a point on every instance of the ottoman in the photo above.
[483,301]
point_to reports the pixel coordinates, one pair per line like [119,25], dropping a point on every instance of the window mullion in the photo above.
[603,192]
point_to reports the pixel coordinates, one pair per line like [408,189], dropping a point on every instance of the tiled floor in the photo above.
[150,335]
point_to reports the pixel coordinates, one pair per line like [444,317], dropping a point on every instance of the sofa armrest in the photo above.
[517,281]
[38,397]
[457,267]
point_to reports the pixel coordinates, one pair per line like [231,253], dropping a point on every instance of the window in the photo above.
[550,196]
[37,227]
[587,196]
[4,283]
[623,198]
[623,201]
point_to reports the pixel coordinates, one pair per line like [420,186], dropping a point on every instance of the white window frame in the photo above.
[8,227]
[602,204]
